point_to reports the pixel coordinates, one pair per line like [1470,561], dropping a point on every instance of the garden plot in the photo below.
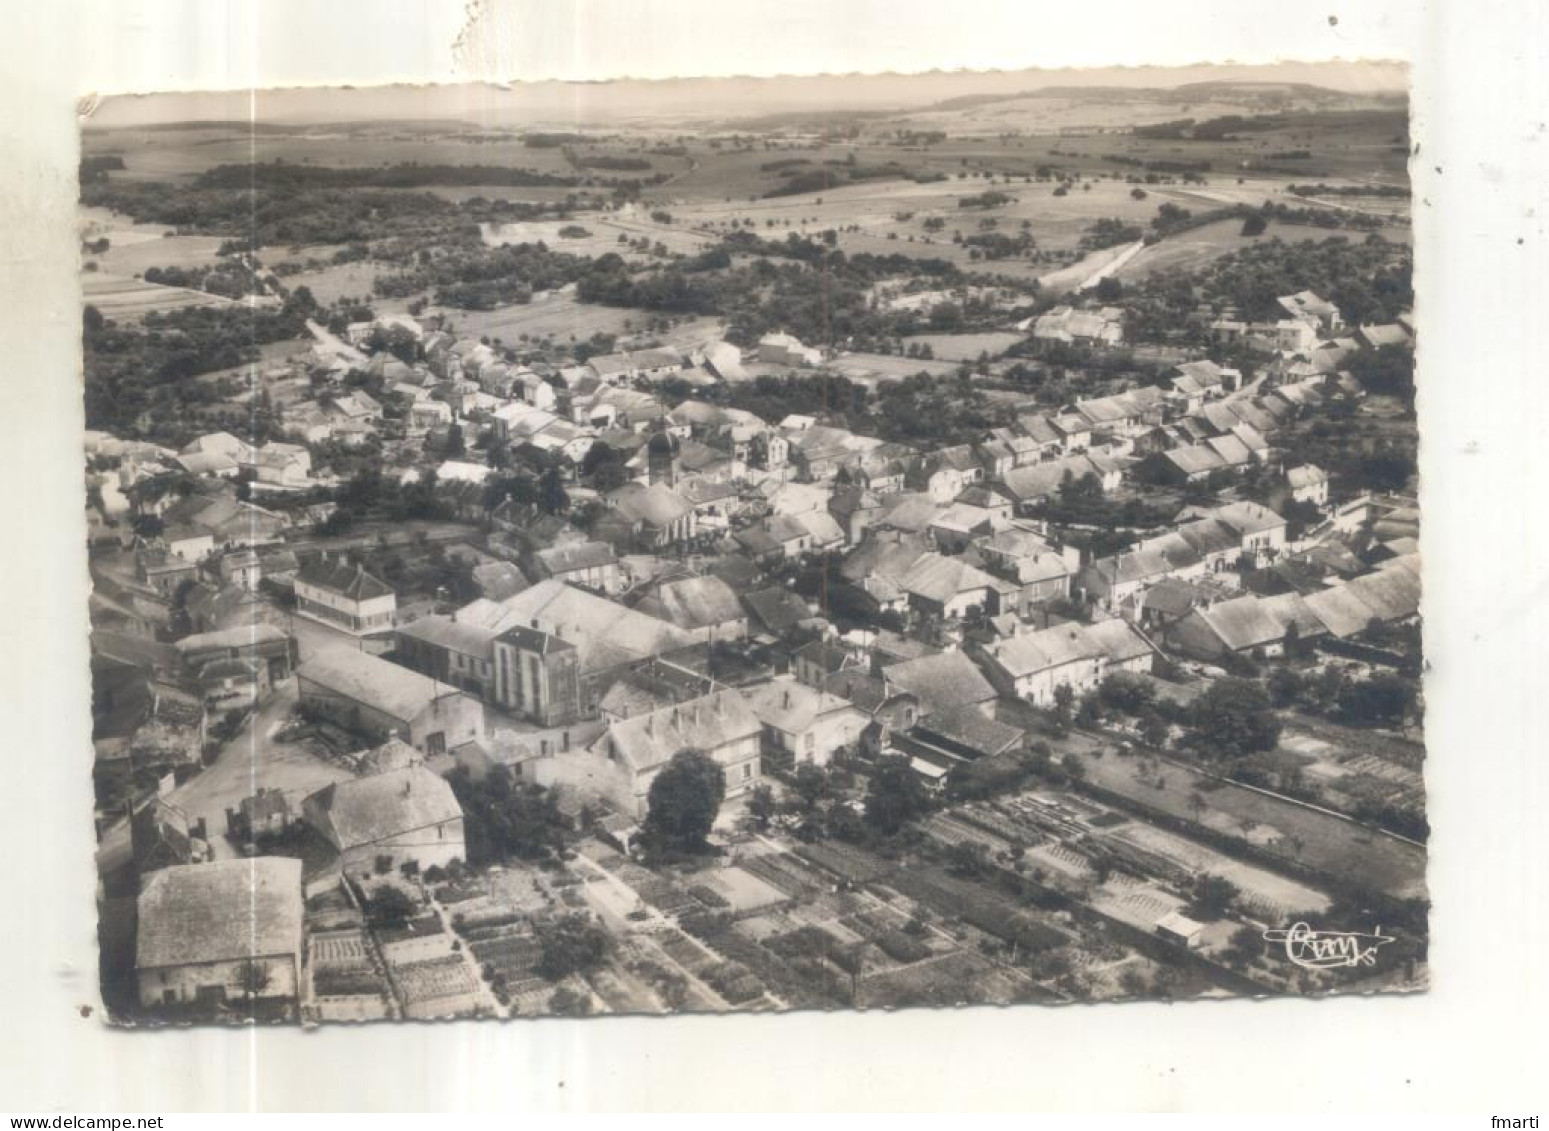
[1003,820]
[1274,896]
[789,874]
[950,829]
[959,978]
[436,987]
[1369,765]
[620,992]
[1063,860]
[508,958]
[342,966]
[740,891]
[1140,905]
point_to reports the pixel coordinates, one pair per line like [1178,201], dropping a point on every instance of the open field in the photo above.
[603,238]
[889,218]
[901,207]
[886,366]
[966,347]
[1198,247]
[175,154]
[343,280]
[163,154]
[134,248]
[559,315]
[127,299]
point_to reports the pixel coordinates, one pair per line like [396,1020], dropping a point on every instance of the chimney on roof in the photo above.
[787,696]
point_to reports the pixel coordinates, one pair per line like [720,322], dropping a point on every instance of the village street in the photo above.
[250,761]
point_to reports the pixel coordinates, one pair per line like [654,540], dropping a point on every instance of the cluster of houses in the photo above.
[666,618]
[211,934]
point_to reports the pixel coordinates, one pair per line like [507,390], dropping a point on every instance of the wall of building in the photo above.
[350,713]
[1039,687]
[374,615]
[456,718]
[1194,637]
[437,845]
[184,983]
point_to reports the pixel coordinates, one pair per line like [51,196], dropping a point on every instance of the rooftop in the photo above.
[368,810]
[347,579]
[219,912]
[380,684]
[942,681]
[649,741]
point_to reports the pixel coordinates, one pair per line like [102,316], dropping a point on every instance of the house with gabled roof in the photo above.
[591,565]
[1244,625]
[381,822]
[370,695]
[1033,666]
[229,931]
[1039,570]
[1117,579]
[1043,480]
[817,660]
[1309,307]
[943,680]
[854,508]
[649,518]
[951,738]
[621,765]
[889,707]
[343,595]
[704,607]
[804,724]
[948,587]
[1308,483]
[1195,382]
[774,611]
[785,349]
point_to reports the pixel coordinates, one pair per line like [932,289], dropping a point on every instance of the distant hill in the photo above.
[728,100]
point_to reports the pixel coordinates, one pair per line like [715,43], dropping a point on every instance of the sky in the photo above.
[633,100]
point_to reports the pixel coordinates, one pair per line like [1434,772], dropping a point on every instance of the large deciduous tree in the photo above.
[895,795]
[1233,718]
[683,802]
